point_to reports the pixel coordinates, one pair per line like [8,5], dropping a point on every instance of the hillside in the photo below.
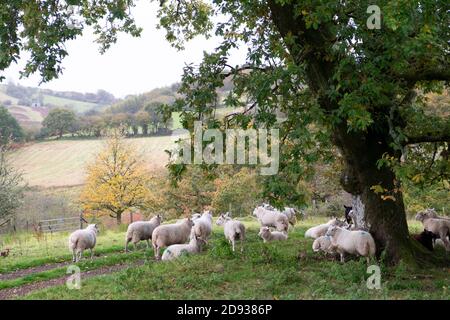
[62,163]
[30,105]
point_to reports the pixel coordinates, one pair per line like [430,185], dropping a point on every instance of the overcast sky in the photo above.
[132,65]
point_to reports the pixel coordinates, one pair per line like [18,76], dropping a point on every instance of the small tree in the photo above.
[115,180]
[59,121]
[143,119]
[11,187]
[9,127]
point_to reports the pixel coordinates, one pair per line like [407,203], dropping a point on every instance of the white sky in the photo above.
[131,66]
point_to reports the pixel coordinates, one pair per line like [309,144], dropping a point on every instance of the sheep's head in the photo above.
[195,216]
[336,222]
[159,218]
[222,218]
[189,222]
[332,230]
[264,232]
[208,213]
[420,216]
[94,227]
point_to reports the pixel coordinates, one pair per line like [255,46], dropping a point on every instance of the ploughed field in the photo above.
[37,269]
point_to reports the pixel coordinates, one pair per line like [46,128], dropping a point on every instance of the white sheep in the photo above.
[440,227]
[195,216]
[431,212]
[290,213]
[323,243]
[81,240]
[353,242]
[168,234]
[271,218]
[321,229]
[176,250]
[267,235]
[203,225]
[232,229]
[141,230]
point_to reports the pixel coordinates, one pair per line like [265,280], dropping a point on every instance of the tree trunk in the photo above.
[383,213]
[119,218]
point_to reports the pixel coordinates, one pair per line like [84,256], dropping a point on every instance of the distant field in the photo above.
[27,113]
[4,96]
[76,106]
[62,163]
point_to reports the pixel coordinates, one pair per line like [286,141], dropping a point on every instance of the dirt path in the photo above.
[24,272]
[25,289]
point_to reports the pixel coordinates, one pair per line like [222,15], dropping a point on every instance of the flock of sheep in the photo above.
[333,237]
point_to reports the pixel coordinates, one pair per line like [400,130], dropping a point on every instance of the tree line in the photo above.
[147,121]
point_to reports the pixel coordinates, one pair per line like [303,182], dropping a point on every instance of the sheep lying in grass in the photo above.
[176,250]
[81,240]
[168,234]
[321,229]
[440,227]
[323,243]
[353,242]
[203,225]
[271,218]
[141,230]
[233,229]
[267,235]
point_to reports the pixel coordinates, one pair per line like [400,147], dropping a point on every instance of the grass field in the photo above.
[74,105]
[283,270]
[63,162]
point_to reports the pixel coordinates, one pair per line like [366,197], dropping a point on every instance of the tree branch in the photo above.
[444,137]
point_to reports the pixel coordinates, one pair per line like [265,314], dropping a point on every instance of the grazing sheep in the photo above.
[426,238]
[81,240]
[176,250]
[233,229]
[271,218]
[168,234]
[353,242]
[203,225]
[267,235]
[321,229]
[440,227]
[141,230]
[323,243]
[290,213]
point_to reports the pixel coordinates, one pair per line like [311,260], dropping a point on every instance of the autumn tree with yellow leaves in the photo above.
[116,180]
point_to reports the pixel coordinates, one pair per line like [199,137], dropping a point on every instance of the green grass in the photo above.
[63,162]
[85,265]
[27,251]
[75,105]
[283,270]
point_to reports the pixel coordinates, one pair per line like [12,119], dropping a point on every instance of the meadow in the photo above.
[63,162]
[283,270]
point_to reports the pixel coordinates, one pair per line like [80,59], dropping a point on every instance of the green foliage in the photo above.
[9,127]
[59,121]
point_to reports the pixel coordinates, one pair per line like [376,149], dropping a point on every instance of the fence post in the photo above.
[131,216]
[81,220]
